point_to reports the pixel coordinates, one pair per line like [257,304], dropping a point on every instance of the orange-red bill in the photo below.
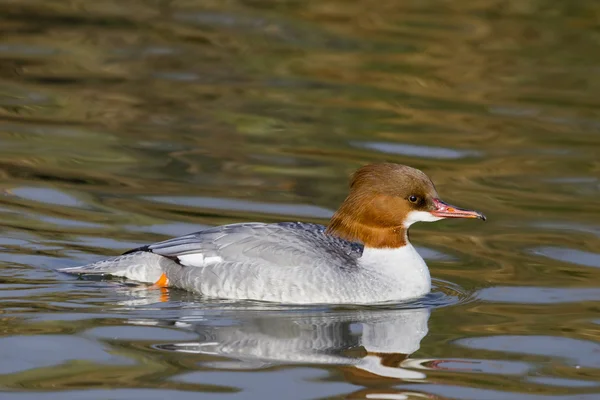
[445,210]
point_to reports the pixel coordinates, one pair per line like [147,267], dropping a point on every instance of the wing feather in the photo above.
[295,244]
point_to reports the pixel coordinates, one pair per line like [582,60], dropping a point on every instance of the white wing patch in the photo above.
[198,260]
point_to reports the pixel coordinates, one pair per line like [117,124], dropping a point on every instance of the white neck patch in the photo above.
[419,216]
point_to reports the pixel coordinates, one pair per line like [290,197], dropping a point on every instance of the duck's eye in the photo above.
[413,199]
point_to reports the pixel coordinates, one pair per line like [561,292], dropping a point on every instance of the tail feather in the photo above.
[140,266]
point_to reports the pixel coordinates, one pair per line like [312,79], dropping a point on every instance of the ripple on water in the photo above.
[443,294]
[215,203]
[537,295]
[582,185]
[176,76]
[413,150]
[10,50]
[60,315]
[168,229]
[136,333]
[299,383]
[30,260]
[69,223]
[48,196]
[551,381]
[22,353]
[568,226]
[576,180]
[469,365]
[474,393]
[116,393]
[7,241]
[431,254]
[573,256]
[107,243]
[576,352]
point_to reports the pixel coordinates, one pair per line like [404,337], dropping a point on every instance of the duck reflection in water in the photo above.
[371,341]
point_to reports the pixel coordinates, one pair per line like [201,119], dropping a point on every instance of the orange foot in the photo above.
[162,283]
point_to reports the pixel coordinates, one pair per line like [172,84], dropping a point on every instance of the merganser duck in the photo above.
[362,256]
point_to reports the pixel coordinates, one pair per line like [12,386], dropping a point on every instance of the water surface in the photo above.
[124,123]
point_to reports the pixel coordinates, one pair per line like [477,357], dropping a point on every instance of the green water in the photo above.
[124,123]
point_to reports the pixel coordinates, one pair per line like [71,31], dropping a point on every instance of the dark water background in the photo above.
[127,122]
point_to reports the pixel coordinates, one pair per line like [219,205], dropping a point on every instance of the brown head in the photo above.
[384,200]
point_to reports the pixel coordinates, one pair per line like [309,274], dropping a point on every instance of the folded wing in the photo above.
[294,244]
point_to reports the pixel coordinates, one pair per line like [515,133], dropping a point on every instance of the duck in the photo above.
[362,256]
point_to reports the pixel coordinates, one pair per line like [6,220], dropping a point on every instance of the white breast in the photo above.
[403,268]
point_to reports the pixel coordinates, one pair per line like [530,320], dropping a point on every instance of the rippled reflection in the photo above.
[376,342]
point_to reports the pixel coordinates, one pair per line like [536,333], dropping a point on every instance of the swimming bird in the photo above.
[362,256]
